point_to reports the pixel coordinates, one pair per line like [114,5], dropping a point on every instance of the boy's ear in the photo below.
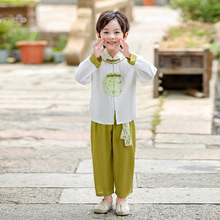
[126,35]
[98,35]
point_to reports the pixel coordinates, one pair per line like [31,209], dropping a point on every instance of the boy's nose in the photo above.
[111,36]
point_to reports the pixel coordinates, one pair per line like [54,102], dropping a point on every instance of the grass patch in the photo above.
[156,121]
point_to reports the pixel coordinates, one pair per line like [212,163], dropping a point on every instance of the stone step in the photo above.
[48,180]
[151,196]
[141,180]
[187,139]
[164,166]
[85,212]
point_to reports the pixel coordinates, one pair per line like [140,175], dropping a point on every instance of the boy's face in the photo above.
[112,34]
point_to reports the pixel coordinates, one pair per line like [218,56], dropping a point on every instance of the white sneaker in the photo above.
[122,208]
[103,207]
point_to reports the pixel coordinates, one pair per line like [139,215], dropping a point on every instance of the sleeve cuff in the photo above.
[132,59]
[96,61]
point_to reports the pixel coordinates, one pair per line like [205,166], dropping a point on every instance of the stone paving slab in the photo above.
[199,109]
[51,135]
[177,166]
[45,180]
[188,139]
[50,180]
[37,144]
[163,166]
[41,125]
[61,135]
[65,156]
[177,154]
[85,212]
[179,180]
[29,195]
[38,165]
[184,127]
[146,195]
[180,146]
[42,153]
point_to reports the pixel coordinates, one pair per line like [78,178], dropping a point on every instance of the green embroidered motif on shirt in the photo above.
[113,84]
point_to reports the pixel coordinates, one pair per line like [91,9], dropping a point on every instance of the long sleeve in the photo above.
[85,70]
[145,71]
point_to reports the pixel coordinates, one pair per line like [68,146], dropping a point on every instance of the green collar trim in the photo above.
[113,61]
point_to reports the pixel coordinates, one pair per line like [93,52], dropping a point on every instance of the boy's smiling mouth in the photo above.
[111,42]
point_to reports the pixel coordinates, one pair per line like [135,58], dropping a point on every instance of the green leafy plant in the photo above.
[5,27]
[199,10]
[17,2]
[188,35]
[12,31]
[215,49]
[61,43]
[33,36]
[18,33]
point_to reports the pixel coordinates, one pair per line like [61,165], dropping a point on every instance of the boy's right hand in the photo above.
[98,48]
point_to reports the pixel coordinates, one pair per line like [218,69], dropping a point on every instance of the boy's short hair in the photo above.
[107,16]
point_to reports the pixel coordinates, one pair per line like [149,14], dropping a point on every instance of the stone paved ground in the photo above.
[45,159]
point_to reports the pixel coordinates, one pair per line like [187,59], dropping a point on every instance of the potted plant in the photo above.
[148,2]
[59,47]
[32,50]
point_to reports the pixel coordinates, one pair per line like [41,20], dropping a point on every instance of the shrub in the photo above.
[188,35]
[17,2]
[199,10]
[5,26]
[18,33]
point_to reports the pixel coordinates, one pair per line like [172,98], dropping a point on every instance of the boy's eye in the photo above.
[106,32]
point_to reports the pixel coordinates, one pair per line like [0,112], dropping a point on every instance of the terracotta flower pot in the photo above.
[32,52]
[148,2]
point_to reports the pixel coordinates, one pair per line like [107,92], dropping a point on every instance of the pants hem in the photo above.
[104,194]
[123,195]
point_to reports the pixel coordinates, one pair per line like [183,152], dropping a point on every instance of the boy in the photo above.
[113,71]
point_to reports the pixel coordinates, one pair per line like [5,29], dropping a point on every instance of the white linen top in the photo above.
[113,88]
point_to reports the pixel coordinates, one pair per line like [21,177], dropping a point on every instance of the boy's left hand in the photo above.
[125,47]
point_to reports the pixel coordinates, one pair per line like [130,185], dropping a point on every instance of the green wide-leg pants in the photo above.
[113,162]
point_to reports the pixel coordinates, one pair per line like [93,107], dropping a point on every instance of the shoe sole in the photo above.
[101,212]
[122,213]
